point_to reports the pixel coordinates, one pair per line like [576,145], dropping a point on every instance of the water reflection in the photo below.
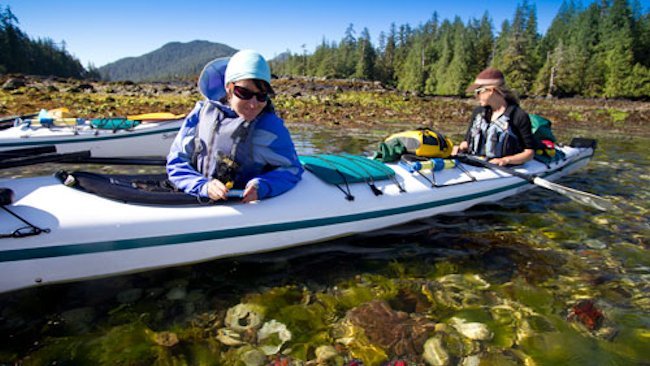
[520,267]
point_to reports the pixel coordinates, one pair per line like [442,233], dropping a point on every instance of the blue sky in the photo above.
[100,31]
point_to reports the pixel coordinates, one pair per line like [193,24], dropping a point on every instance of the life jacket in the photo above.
[494,139]
[223,147]
[424,142]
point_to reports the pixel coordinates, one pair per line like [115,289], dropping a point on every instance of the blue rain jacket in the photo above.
[274,166]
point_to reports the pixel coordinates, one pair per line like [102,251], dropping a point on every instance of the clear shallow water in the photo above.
[518,268]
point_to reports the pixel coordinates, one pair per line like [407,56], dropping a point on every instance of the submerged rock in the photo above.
[79,320]
[272,336]
[244,317]
[434,353]
[229,337]
[325,353]
[395,331]
[472,330]
[176,293]
[253,357]
[166,339]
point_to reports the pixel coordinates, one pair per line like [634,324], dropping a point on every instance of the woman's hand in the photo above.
[516,159]
[217,190]
[501,161]
[462,147]
[250,193]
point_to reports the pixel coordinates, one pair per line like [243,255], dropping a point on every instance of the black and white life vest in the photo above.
[222,147]
[494,139]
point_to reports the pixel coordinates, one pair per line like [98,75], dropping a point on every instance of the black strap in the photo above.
[389,172]
[346,191]
[21,232]
[370,181]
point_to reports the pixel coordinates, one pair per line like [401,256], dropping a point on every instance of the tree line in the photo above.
[21,54]
[602,50]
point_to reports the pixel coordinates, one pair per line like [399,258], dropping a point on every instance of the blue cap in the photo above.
[247,64]
[211,81]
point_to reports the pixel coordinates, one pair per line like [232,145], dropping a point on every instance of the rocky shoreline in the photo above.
[348,103]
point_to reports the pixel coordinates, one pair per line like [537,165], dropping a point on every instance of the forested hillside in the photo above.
[21,54]
[602,50]
[173,61]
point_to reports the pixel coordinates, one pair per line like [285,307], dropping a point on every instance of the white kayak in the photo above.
[145,139]
[81,235]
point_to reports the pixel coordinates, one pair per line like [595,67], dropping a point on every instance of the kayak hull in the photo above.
[91,237]
[146,139]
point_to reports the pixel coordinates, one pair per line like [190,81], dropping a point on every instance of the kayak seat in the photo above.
[113,124]
[342,170]
[151,189]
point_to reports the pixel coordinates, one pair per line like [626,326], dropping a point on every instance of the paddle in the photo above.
[584,198]
[44,158]
[13,118]
[24,152]
[119,161]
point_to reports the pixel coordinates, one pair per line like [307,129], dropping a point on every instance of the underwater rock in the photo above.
[272,336]
[456,291]
[229,337]
[129,296]
[595,244]
[434,353]
[244,317]
[472,330]
[79,320]
[392,330]
[325,353]
[472,360]
[253,357]
[176,293]
[166,339]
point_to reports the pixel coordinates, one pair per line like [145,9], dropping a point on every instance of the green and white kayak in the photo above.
[53,232]
[105,139]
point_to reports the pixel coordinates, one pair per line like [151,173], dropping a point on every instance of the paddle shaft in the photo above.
[47,158]
[13,118]
[584,198]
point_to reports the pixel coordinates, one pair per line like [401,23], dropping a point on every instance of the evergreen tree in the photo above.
[603,50]
[412,71]
[483,46]
[365,67]
[517,60]
[617,51]
[453,78]
[20,54]
[346,55]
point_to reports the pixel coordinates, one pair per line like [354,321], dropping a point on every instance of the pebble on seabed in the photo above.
[472,330]
[434,353]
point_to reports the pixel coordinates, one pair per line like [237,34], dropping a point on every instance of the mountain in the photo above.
[173,61]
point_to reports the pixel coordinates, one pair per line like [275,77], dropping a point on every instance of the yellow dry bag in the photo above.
[424,142]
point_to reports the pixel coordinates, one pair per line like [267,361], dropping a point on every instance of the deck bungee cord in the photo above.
[6,199]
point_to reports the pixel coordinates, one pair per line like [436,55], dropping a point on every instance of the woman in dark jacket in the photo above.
[499,129]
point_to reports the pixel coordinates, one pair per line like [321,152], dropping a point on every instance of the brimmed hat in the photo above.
[487,77]
[248,64]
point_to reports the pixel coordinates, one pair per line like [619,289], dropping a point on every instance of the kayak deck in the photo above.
[90,236]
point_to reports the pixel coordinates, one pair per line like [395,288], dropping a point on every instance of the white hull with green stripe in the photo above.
[90,236]
[146,139]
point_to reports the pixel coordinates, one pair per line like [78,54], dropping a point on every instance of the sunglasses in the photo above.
[480,90]
[246,94]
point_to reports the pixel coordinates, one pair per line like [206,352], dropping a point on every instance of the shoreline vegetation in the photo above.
[306,100]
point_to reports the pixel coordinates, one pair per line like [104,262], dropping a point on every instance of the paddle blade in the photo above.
[584,198]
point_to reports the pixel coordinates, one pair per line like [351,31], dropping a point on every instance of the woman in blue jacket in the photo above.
[233,139]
